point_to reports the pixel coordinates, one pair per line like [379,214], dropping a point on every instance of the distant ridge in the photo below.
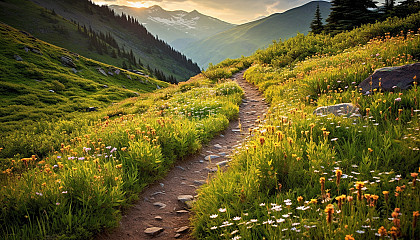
[178,28]
[247,38]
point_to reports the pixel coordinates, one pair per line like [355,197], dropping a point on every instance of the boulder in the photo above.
[391,77]
[117,72]
[185,198]
[67,61]
[18,58]
[102,71]
[342,109]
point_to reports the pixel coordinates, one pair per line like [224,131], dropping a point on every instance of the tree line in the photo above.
[348,14]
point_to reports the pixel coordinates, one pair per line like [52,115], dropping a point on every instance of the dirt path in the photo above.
[159,206]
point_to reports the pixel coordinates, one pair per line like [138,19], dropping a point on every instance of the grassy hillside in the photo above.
[247,38]
[70,178]
[57,23]
[324,177]
[42,87]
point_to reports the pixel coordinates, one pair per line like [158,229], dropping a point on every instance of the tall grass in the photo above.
[323,177]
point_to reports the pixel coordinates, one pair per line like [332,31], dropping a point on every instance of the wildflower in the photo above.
[123,149]
[397,99]
[39,194]
[222,210]
[262,140]
[395,216]
[394,233]
[338,174]
[386,194]
[382,231]
[237,218]
[322,181]
[359,186]
[213,216]
[57,203]
[370,150]
[414,176]
[313,201]
[349,237]
[300,200]
[416,214]
[329,210]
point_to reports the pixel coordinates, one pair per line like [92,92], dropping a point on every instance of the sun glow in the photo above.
[138,4]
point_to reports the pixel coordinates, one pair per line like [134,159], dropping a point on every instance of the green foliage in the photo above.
[300,175]
[79,172]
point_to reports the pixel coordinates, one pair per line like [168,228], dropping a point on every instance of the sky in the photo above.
[233,11]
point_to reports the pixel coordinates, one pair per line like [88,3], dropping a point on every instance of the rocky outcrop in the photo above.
[391,78]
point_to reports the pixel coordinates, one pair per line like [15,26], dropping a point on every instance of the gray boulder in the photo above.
[391,77]
[102,71]
[342,109]
[67,61]
[18,58]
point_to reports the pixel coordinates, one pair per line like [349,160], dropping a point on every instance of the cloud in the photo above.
[234,11]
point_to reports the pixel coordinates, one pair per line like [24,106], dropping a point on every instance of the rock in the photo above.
[153,231]
[52,91]
[103,72]
[67,61]
[74,70]
[117,72]
[182,229]
[158,218]
[223,154]
[105,86]
[26,49]
[391,77]
[201,161]
[236,130]
[199,182]
[182,212]
[129,77]
[218,146]
[160,205]
[110,73]
[177,235]
[185,198]
[18,58]
[342,109]
[156,193]
[211,169]
[36,51]
[91,109]
[211,157]
[157,86]
[222,163]
[183,169]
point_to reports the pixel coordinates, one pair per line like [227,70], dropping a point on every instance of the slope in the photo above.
[43,81]
[80,25]
[178,28]
[246,38]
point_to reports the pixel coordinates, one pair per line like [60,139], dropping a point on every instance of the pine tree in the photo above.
[316,24]
[348,14]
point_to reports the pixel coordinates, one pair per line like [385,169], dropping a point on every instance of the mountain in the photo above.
[178,28]
[247,38]
[42,81]
[97,32]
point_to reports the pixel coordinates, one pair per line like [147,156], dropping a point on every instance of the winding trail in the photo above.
[158,204]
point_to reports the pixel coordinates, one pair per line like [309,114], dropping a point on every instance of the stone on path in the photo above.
[153,231]
[211,157]
[160,205]
[189,204]
[218,146]
[159,218]
[185,198]
[182,229]
[199,182]
[222,163]
[177,235]
[182,211]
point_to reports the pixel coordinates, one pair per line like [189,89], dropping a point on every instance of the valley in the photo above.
[108,132]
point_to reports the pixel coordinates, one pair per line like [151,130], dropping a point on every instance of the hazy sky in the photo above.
[233,11]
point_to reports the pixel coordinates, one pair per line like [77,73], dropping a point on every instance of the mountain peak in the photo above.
[156,8]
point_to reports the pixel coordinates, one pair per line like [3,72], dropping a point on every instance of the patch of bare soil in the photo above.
[159,212]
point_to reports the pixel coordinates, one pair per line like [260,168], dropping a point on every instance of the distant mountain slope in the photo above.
[42,18]
[40,80]
[246,38]
[178,28]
